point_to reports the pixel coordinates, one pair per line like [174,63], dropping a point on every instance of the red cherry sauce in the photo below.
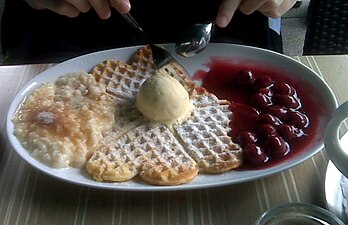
[273,118]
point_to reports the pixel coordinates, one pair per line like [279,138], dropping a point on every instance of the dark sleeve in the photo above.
[31,35]
[42,36]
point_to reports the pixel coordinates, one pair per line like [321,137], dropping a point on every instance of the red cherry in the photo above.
[278,111]
[255,155]
[266,130]
[287,101]
[277,146]
[245,78]
[263,82]
[265,91]
[245,118]
[246,137]
[298,119]
[269,119]
[289,132]
[284,89]
[260,101]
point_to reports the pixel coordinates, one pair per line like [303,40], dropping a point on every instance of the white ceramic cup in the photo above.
[337,153]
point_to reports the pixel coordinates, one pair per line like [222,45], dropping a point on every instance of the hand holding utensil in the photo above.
[161,57]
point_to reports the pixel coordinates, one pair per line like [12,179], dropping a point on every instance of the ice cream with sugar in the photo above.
[161,98]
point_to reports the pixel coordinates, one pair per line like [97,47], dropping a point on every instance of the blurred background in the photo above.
[294,24]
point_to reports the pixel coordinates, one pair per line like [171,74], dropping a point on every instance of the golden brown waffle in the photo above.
[156,153]
[200,98]
[142,62]
[204,136]
[152,152]
[122,80]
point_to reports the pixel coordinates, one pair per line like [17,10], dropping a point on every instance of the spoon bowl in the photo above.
[194,40]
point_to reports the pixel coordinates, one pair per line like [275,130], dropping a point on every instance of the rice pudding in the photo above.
[61,122]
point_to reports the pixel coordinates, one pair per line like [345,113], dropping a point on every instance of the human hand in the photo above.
[72,8]
[271,8]
[102,7]
[69,8]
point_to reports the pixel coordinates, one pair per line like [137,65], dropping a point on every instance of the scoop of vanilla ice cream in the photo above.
[162,98]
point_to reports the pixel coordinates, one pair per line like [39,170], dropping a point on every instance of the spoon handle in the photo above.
[129,18]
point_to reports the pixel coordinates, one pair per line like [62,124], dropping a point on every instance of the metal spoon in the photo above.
[194,40]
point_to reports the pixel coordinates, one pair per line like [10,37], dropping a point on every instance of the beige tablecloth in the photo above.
[28,196]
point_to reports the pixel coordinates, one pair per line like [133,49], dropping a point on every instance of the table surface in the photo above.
[28,196]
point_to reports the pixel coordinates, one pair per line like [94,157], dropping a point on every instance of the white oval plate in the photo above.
[86,63]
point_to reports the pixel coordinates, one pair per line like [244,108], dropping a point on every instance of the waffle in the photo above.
[122,80]
[142,62]
[152,152]
[122,83]
[161,154]
[204,136]
[201,98]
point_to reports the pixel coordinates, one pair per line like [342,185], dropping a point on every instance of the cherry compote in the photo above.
[273,116]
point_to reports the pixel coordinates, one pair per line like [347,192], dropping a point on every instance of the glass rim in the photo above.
[297,210]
